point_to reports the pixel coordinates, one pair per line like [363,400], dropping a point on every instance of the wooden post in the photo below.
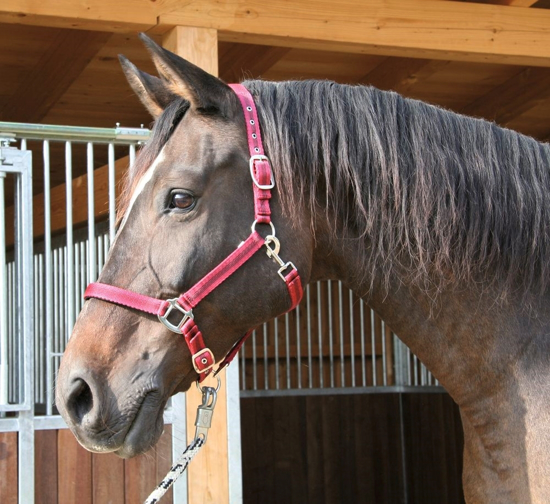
[215,474]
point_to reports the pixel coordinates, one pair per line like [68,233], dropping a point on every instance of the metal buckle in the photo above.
[261,157]
[285,267]
[173,303]
[198,354]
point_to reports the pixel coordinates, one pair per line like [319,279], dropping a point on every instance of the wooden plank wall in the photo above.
[8,467]
[372,448]
[66,473]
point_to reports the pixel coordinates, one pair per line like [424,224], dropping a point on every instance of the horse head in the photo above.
[188,205]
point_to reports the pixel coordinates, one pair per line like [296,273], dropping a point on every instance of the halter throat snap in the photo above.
[177,314]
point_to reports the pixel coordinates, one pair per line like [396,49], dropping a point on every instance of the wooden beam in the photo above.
[198,45]
[102,15]
[514,97]
[244,61]
[208,475]
[407,28]
[58,216]
[511,3]
[429,30]
[67,55]
[520,3]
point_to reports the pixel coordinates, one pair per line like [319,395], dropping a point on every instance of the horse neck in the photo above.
[492,357]
[454,332]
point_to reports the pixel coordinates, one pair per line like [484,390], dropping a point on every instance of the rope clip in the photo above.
[273,247]
[205,410]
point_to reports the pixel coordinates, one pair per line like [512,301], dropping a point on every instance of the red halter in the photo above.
[263,181]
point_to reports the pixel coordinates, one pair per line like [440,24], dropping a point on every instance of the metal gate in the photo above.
[41,289]
[16,314]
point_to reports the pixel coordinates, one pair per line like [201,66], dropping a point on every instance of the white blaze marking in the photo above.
[145,179]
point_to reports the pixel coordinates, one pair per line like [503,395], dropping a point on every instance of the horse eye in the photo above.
[182,200]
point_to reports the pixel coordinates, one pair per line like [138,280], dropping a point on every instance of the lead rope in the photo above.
[205,410]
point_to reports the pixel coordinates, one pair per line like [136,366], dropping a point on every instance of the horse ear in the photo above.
[202,90]
[154,93]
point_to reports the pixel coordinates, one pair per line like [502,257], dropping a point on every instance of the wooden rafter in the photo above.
[407,28]
[400,74]
[249,61]
[102,15]
[519,3]
[67,55]
[514,97]
[430,30]
[511,3]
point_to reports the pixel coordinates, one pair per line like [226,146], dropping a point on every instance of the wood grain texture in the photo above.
[248,61]
[67,54]
[46,467]
[163,458]
[447,30]
[208,478]
[402,74]
[100,95]
[8,467]
[140,477]
[524,91]
[107,478]
[74,467]
[102,15]
[433,439]
[355,448]
[198,45]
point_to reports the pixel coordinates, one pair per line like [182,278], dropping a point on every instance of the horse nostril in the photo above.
[80,400]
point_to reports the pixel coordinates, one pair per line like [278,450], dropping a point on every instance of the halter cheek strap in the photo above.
[262,177]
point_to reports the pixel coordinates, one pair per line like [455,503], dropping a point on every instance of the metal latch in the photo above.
[205,410]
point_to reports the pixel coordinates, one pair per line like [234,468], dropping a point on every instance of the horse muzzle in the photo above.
[127,422]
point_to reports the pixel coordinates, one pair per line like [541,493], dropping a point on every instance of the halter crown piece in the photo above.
[263,181]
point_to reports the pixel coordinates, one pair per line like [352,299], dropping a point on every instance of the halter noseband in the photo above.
[263,181]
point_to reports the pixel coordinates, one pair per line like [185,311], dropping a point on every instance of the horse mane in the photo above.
[418,189]
[443,197]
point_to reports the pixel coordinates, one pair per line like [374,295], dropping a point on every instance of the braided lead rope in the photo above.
[205,410]
[176,470]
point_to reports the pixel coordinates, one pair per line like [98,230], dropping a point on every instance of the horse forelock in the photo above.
[444,197]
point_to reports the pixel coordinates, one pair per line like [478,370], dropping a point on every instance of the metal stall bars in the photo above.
[70,248]
[332,343]
[16,314]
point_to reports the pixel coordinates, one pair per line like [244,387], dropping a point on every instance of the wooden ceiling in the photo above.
[72,77]
[54,75]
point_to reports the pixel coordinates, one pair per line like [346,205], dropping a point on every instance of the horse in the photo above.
[440,222]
